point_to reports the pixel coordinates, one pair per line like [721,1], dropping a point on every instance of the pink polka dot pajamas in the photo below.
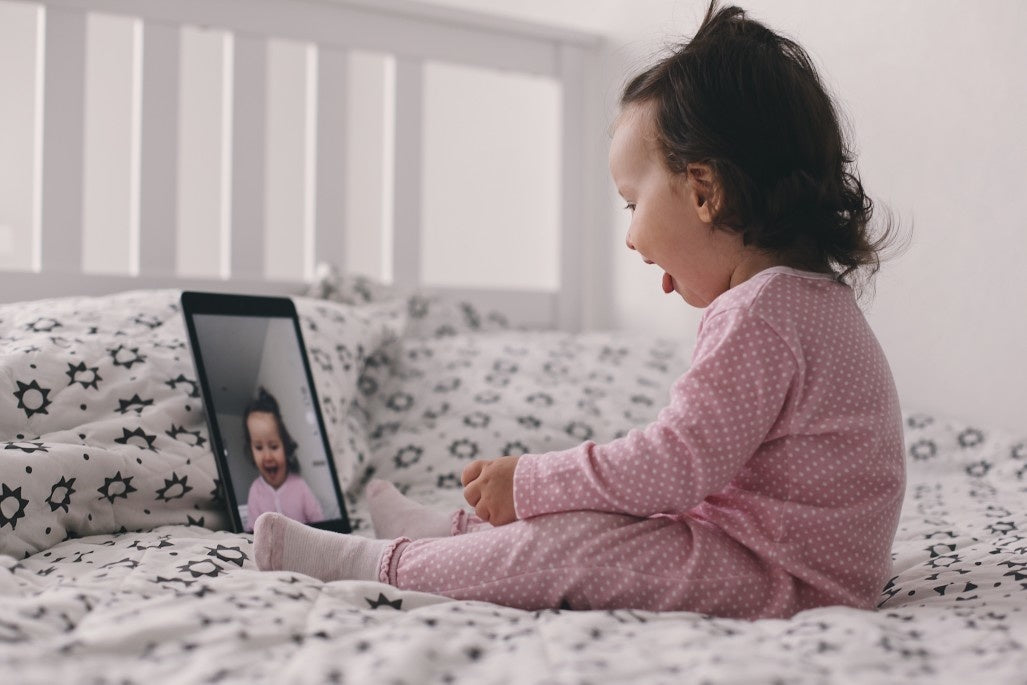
[771,483]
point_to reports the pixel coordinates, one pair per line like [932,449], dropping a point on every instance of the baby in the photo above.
[279,487]
[773,480]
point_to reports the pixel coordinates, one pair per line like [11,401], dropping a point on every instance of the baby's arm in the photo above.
[721,410]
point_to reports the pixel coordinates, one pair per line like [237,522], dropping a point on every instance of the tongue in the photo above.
[668,283]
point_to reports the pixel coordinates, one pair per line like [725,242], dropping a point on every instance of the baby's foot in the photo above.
[282,544]
[394,515]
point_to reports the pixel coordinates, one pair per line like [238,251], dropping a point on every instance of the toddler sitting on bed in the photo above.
[773,480]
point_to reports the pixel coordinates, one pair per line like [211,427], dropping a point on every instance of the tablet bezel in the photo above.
[222,304]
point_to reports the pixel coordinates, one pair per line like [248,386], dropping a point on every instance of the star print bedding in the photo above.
[114,565]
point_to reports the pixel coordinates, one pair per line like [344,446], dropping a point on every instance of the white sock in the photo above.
[282,544]
[394,515]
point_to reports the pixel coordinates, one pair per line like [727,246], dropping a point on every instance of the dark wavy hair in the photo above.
[750,104]
[266,402]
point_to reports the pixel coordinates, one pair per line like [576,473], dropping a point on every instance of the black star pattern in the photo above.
[124,563]
[294,596]
[515,448]
[463,449]
[579,431]
[194,389]
[60,494]
[433,413]
[477,420]
[86,376]
[448,385]
[136,404]
[161,544]
[400,401]
[202,567]
[923,449]
[471,315]
[160,580]
[32,398]
[150,322]
[128,435]
[173,489]
[971,437]
[447,481]
[978,469]
[539,399]
[232,555]
[43,325]
[383,429]
[195,438]
[382,600]
[321,358]
[417,307]
[367,386]
[126,357]
[498,380]
[116,486]
[28,447]
[12,506]
[408,456]
[529,422]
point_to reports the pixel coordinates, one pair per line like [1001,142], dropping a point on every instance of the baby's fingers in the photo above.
[472,471]
[472,493]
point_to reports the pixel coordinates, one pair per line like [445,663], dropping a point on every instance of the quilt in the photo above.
[115,566]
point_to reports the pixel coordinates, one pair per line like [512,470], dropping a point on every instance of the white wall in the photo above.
[934,93]
[933,90]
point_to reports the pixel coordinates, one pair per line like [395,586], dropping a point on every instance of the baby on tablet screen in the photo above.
[279,486]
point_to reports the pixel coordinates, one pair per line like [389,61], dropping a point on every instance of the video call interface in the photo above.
[265,414]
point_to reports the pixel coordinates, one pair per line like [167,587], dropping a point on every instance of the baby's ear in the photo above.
[704,190]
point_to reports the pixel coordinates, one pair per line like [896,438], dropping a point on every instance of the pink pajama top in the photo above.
[785,434]
[293,498]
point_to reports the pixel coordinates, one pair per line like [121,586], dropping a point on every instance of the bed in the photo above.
[115,562]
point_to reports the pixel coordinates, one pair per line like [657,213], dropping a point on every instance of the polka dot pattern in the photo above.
[782,444]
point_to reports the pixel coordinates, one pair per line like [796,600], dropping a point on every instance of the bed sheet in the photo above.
[138,588]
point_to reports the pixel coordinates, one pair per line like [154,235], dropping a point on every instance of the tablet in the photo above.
[265,422]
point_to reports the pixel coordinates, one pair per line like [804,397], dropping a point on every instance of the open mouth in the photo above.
[271,470]
[668,280]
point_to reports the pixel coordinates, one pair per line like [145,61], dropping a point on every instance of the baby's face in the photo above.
[670,226]
[267,448]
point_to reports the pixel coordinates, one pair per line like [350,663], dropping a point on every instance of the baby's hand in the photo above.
[488,487]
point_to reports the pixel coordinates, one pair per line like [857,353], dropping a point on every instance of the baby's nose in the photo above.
[627,241]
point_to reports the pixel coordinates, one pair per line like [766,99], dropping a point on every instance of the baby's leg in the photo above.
[593,560]
[395,515]
[282,544]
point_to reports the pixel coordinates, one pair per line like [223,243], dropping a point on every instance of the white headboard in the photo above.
[412,32]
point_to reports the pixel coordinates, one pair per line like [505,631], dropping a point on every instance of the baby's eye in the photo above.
[630,206]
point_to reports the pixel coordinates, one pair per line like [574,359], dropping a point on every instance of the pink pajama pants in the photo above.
[595,560]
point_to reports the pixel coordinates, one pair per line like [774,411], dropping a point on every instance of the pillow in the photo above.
[436,404]
[101,418]
[428,314]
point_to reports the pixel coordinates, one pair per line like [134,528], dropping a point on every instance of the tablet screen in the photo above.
[266,418]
